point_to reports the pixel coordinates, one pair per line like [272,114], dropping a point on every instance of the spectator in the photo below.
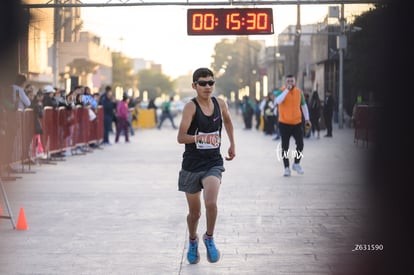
[122,121]
[131,109]
[70,122]
[37,106]
[107,104]
[49,97]
[269,116]
[315,112]
[257,113]
[248,112]
[166,113]
[88,99]
[19,96]
[328,113]
[29,89]
[151,105]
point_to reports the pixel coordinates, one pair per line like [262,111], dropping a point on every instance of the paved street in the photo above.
[117,210]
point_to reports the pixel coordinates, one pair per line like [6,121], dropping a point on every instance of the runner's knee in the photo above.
[194,216]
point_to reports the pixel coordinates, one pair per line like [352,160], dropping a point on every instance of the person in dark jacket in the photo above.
[37,106]
[315,113]
[328,112]
[108,108]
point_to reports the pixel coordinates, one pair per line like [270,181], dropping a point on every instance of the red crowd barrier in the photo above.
[11,135]
[47,122]
[82,123]
[365,121]
[97,126]
[17,128]
[62,129]
[100,123]
[28,131]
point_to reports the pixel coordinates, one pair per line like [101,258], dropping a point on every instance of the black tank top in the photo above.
[201,157]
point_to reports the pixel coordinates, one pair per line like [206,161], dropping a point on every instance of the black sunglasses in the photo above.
[204,83]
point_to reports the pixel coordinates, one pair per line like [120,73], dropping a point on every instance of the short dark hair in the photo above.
[289,76]
[202,72]
[20,79]
[108,88]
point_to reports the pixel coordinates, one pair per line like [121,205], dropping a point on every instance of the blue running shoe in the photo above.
[193,256]
[213,255]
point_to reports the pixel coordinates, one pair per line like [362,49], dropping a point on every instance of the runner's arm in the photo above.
[228,125]
[186,118]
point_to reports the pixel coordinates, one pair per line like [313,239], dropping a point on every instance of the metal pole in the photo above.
[274,67]
[6,201]
[56,40]
[297,42]
[341,72]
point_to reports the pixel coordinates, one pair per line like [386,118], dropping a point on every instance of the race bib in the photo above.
[208,140]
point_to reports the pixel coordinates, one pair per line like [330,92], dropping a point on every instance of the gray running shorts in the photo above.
[190,182]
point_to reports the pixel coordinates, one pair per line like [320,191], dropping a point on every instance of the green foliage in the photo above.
[235,62]
[154,82]
[122,71]
[365,62]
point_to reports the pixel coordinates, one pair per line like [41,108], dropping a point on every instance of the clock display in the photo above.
[240,21]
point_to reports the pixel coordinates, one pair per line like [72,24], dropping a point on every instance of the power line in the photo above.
[121,3]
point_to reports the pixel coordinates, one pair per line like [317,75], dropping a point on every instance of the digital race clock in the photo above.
[240,21]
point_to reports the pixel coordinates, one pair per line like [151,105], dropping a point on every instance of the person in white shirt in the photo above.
[19,94]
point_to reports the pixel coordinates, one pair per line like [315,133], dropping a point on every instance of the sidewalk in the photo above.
[118,211]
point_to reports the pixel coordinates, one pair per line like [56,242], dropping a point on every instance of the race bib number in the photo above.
[208,140]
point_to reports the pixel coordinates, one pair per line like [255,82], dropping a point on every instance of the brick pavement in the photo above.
[118,211]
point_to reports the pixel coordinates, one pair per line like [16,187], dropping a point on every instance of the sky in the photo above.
[159,33]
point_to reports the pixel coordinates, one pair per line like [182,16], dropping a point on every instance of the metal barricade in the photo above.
[84,123]
[365,123]
[361,124]
[14,136]
[100,124]
[47,126]
[78,126]
[96,127]
[93,131]
[28,131]
[5,158]
[90,125]
[4,155]
[54,139]
[69,129]
[62,127]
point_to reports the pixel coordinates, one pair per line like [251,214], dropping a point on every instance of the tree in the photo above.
[235,64]
[122,71]
[154,82]
[366,48]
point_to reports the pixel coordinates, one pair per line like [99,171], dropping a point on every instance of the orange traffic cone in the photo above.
[1,211]
[21,222]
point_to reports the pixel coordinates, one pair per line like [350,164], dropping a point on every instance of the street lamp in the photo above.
[341,43]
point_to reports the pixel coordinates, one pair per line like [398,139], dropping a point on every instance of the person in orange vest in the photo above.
[291,104]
